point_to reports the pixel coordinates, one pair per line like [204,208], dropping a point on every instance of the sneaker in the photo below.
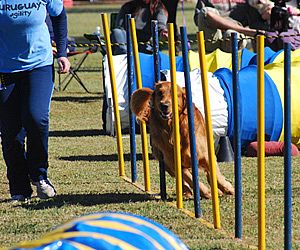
[19,197]
[45,189]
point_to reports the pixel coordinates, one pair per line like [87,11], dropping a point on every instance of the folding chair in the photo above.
[74,69]
[63,83]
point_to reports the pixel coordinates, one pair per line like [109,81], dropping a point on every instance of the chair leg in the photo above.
[77,78]
[59,82]
[69,77]
[73,74]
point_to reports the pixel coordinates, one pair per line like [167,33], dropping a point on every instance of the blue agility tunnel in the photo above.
[147,67]
[248,104]
[108,231]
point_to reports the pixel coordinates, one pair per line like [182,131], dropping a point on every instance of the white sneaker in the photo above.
[19,197]
[45,189]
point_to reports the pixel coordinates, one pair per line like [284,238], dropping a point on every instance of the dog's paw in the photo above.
[187,192]
[220,192]
[188,195]
[229,190]
[206,195]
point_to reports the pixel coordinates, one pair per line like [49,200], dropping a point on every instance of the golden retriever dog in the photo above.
[155,108]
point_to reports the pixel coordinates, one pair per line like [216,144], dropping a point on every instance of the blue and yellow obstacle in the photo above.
[108,231]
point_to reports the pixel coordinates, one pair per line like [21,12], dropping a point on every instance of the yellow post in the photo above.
[143,124]
[261,143]
[114,94]
[210,138]
[175,122]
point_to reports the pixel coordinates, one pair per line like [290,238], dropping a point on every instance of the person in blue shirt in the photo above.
[26,89]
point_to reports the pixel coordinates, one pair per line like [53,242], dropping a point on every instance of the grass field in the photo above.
[84,169]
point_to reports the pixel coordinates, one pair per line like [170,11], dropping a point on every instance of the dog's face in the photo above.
[159,99]
[162,99]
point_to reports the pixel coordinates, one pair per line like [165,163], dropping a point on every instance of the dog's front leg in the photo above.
[224,186]
[188,178]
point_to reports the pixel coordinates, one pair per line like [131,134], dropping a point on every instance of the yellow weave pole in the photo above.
[114,94]
[261,143]
[175,120]
[143,124]
[210,138]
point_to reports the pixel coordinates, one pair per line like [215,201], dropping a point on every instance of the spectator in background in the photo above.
[27,85]
[143,11]
[282,30]
[171,6]
[218,19]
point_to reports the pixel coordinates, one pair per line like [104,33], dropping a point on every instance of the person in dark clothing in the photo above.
[171,6]
[143,11]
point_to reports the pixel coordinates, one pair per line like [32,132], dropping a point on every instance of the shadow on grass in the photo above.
[77,133]
[79,99]
[103,157]
[86,200]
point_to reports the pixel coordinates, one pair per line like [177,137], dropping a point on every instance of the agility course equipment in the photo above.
[209,132]
[261,145]
[237,140]
[190,110]
[287,145]
[115,96]
[177,158]
[143,125]
[108,230]
[273,124]
[175,120]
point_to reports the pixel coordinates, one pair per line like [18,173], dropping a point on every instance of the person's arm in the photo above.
[219,22]
[162,19]
[59,24]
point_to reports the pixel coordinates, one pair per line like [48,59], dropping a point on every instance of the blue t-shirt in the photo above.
[24,36]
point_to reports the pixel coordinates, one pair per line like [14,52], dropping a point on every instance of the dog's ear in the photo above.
[182,102]
[140,103]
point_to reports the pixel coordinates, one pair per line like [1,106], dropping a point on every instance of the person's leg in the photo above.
[171,7]
[37,91]
[13,141]
[213,37]
[118,39]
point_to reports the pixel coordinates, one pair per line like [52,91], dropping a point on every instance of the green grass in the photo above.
[84,169]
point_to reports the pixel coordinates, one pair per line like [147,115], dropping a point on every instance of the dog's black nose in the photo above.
[164,107]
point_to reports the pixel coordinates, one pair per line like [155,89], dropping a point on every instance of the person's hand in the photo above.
[63,65]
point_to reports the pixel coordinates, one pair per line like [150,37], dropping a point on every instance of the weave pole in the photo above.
[190,109]
[175,120]
[210,139]
[131,116]
[155,45]
[287,150]
[261,144]
[114,94]
[237,138]
[142,124]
